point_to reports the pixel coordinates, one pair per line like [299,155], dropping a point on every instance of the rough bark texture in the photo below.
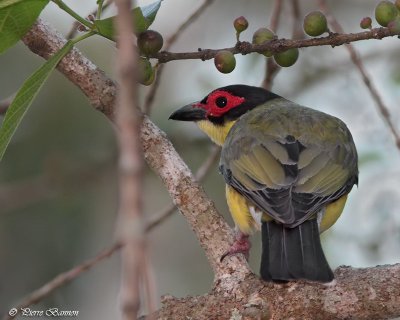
[43,40]
[372,293]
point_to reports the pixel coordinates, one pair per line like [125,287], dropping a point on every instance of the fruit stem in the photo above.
[83,37]
[73,14]
[99,9]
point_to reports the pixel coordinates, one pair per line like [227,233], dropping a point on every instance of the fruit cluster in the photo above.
[387,14]
[149,42]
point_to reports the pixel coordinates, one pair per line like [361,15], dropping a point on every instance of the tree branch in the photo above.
[358,294]
[277,45]
[43,40]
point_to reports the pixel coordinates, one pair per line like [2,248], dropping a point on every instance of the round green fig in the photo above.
[225,61]
[262,36]
[150,42]
[287,58]
[315,24]
[385,12]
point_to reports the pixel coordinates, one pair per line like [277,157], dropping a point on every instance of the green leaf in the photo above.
[16,18]
[148,13]
[7,3]
[25,96]
[143,17]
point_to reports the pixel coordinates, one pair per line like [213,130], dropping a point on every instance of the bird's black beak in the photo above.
[190,112]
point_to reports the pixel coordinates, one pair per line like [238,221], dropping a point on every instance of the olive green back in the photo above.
[289,160]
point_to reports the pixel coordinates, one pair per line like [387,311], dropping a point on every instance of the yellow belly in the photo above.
[239,209]
[332,213]
[240,212]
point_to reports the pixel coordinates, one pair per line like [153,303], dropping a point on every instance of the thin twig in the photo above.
[271,68]
[168,44]
[208,162]
[192,18]
[275,16]
[382,108]
[277,45]
[76,25]
[297,30]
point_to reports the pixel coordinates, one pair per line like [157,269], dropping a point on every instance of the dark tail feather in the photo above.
[293,253]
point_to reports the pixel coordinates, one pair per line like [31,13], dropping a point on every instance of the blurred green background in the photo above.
[58,188]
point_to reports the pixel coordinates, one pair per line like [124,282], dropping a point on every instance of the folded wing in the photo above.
[289,161]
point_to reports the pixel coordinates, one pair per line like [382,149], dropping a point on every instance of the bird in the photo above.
[288,170]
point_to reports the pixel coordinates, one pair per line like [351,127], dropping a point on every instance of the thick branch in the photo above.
[43,40]
[277,45]
[362,294]
[212,231]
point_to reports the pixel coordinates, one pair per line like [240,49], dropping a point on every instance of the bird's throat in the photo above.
[217,133]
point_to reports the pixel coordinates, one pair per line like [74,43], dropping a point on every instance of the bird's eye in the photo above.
[221,102]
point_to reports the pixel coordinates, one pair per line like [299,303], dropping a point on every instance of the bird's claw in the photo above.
[240,245]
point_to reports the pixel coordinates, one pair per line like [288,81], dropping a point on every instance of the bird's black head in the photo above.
[224,104]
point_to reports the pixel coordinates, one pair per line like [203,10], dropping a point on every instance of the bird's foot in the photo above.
[240,245]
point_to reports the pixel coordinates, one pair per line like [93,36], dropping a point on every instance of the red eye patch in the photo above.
[215,108]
